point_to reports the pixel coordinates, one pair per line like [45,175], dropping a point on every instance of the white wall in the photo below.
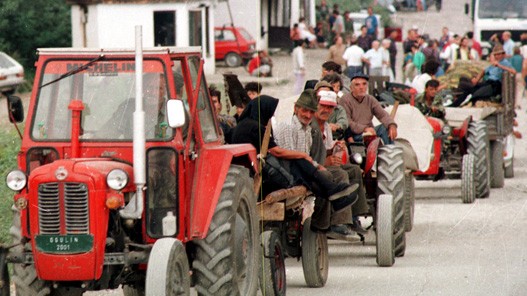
[113,26]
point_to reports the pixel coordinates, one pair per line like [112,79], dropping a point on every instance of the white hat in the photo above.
[328,98]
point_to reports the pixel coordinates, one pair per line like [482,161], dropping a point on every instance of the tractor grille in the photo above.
[75,203]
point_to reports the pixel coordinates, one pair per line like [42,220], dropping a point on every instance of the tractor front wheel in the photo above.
[315,259]
[168,272]
[384,231]
[227,260]
[25,275]
[468,182]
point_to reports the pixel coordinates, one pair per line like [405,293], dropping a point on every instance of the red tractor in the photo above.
[107,196]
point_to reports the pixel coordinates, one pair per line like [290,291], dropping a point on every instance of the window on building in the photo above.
[164,28]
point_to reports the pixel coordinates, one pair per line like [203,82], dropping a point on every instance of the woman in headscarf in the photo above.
[251,129]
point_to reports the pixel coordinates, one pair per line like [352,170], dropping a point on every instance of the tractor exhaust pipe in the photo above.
[134,208]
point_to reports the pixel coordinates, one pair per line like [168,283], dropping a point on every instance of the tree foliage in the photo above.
[28,25]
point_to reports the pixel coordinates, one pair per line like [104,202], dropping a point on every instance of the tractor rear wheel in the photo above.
[409,203]
[478,145]
[25,275]
[497,173]
[315,259]
[5,290]
[384,231]
[227,260]
[167,272]
[468,182]
[390,180]
[272,273]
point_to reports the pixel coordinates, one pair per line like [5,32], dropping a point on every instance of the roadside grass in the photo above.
[9,146]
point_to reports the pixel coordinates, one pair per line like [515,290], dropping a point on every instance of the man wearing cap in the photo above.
[325,150]
[492,85]
[296,135]
[361,107]
[338,120]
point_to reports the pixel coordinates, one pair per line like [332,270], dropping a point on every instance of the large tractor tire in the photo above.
[228,260]
[315,259]
[5,289]
[409,203]
[272,272]
[479,146]
[24,275]
[167,273]
[468,179]
[390,180]
[497,176]
[384,226]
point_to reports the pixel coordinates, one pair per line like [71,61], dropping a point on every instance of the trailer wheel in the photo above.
[384,231]
[497,174]
[478,145]
[24,275]
[390,180]
[409,203]
[468,186]
[509,170]
[315,260]
[167,272]
[227,260]
[272,273]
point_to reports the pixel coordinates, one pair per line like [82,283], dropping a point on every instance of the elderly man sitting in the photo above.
[361,107]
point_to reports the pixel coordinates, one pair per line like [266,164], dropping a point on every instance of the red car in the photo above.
[234,45]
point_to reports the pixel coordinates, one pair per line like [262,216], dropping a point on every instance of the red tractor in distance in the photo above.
[113,190]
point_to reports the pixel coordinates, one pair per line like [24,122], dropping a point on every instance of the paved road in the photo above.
[454,249]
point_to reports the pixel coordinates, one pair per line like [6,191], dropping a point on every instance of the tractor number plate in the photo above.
[64,244]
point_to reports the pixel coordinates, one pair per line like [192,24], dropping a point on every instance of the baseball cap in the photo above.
[327,98]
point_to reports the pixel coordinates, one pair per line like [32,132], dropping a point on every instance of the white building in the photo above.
[111,23]
[273,17]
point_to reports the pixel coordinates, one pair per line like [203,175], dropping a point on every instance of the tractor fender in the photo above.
[212,167]
[371,155]
[462,134]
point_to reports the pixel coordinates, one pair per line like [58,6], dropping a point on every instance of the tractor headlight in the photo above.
[446,130]
[117,179]
[357,158]
[16,180]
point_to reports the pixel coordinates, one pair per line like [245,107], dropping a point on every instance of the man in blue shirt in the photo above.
[492,85]
[371,23]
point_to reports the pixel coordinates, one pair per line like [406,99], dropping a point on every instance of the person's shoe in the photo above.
[282,194]
[341,232]
[448,103]
[357,227]
[346,200]
[342,190]
[318,230]
[467,99]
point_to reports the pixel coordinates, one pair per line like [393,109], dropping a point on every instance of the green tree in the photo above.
[28,25]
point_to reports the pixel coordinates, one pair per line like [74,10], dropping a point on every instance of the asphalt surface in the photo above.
[454,248]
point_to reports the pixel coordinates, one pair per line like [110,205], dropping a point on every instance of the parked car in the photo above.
[11,74]
[234,45]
